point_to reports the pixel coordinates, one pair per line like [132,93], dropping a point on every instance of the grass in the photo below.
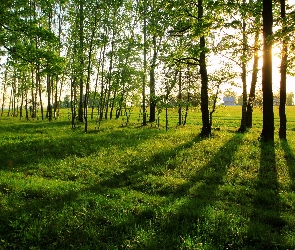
[144,188]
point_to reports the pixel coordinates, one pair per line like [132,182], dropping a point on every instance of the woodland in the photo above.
[108,56]
[112,135]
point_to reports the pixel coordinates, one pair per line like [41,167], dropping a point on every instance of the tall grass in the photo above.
[133,187]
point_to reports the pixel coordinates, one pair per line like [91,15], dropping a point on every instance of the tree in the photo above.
[268,116]
[144,120]
[206,128]
[243,126]
[282,108]
[251,98]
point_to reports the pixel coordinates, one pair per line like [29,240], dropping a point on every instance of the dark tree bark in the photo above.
[251,98]
[206,129]
[282,110]
[268,116]
[73,101]
[243,127]
[49,106]
[81,59]
[153,82]
[144,120]
[102,98]
[3,94]
[180,98]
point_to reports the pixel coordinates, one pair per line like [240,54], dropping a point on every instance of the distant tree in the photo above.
[290,99]
[229,92]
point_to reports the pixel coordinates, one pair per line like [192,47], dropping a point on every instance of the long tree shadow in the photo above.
[20,151]
[191,200]
[290,159]
[195,214]
[191,203]
[37,202]
[265,216]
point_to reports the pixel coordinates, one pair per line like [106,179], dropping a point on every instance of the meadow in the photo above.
[134,187]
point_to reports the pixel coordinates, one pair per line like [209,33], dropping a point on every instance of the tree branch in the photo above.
[187,60]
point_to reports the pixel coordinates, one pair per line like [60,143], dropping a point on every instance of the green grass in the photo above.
[144,188]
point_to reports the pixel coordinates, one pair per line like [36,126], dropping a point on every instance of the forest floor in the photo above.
[134,187]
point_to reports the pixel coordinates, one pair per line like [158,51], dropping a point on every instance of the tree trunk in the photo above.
[144,64]
[55,98]
[206,128]
[101,101]
[282,110]
[153,82]
[243,126]
[179,98]
[73,101]
[39,86]
[109,81]
[27,112]
[81,59]
[251,99]
[188,95]
[268,116]
[87,93]
[49,106]
[4,91]
[21,106]
[33,101]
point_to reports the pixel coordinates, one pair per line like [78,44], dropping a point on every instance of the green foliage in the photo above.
[145,188]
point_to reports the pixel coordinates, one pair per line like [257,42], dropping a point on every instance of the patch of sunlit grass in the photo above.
[137,187]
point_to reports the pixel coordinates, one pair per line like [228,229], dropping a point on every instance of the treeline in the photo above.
[107,54]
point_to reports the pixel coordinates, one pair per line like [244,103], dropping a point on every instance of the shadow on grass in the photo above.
[290,159]
[191,203]
[19,151]
[265,217]
[196,220]
[98,217]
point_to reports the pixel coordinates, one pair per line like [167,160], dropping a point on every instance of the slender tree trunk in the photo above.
[153,82]
[118,112]
[243,126]
[73,101]
[4,91]
[94,95]
[81,59]
[9,105]
[88,74]
[39,86]
[113,104]
[206,128]
[27,111]
[179,98]
[109,80]
[55,98]
[282,110]
[101,102]
[251,99]
[33,107]
[21,106]
[188,95]
[144,116]
[96,82]
[268,115]
[59,97]
[49,106]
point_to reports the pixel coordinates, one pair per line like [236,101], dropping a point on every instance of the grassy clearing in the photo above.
[144,188]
